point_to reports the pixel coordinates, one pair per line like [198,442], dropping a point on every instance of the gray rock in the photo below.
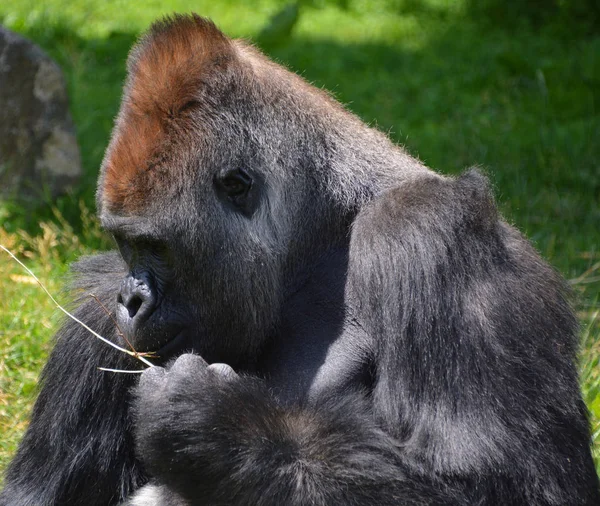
[38,146]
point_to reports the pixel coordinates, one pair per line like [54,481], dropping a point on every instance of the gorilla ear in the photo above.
[174,61]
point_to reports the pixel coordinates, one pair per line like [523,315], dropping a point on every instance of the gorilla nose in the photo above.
[135,303]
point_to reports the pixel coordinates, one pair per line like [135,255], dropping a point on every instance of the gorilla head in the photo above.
[221,176]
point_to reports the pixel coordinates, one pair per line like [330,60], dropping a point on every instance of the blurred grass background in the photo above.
[513,86]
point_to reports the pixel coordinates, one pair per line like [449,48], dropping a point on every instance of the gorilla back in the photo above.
[333,322]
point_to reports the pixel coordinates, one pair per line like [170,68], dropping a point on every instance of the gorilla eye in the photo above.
[235,183]
[191,104]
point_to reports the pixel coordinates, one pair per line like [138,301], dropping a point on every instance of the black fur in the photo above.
[394,341]
[235,433]
[79,447]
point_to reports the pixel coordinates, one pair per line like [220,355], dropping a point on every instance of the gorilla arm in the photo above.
[244,448]
[475,359]
[78,449]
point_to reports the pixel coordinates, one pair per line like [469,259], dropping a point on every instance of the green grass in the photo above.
[456,90]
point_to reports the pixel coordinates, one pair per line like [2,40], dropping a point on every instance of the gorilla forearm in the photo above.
[247,449]
[77,444]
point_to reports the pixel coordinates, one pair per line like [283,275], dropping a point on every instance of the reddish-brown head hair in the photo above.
[167,70]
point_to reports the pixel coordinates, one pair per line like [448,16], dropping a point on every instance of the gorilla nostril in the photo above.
[136,300]
[133,306]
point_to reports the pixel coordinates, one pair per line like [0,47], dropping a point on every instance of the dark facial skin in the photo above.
[182,275]
[159,310]
[143,311]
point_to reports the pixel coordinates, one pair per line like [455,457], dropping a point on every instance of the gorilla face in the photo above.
[198,214]
[209,281]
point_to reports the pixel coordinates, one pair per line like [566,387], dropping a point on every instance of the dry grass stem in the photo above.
[74,318]
[120,332]
[107,369]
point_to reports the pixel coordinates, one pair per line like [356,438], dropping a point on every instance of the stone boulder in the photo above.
[38,147]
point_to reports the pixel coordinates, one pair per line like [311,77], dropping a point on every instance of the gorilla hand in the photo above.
[209,436]
[181,398]
[155,381]
[188,419]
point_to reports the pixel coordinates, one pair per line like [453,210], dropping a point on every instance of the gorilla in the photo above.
[330,321]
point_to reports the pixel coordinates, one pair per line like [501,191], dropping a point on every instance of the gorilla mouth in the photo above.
[159,342]
[175,346]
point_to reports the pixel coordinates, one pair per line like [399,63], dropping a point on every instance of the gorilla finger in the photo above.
[152,378]
[223,370]
[188,364]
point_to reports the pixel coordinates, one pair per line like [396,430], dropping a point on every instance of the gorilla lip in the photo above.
[173,346]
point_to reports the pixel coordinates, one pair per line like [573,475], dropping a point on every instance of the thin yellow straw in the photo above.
[95,334]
